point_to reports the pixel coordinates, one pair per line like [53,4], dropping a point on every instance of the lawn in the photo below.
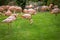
[46,26]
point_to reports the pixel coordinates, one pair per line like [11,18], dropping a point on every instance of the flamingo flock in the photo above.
[27,13]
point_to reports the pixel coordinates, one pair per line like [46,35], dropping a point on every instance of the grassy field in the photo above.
[46,26]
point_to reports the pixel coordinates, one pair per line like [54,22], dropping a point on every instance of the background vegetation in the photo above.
[22,2]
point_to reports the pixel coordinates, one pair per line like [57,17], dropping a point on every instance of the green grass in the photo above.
[46,26]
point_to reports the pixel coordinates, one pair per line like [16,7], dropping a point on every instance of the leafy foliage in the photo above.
[21,3]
